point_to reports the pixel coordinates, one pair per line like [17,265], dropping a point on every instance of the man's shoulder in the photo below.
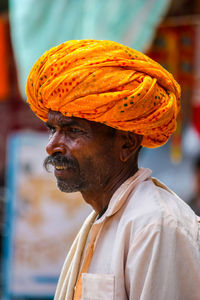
[151,203]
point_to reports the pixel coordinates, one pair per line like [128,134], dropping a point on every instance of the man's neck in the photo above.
[100,197]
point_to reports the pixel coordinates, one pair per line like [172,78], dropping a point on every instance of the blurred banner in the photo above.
[37,26]
[196,91]
[41,221]
[177,47]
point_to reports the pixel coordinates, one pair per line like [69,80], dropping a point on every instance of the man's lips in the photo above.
[60,171]
[61,167]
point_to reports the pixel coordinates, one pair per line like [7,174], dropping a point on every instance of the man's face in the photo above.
[82,152]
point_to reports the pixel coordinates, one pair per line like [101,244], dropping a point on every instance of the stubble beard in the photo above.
[67,187]
[81,184]
[74,185]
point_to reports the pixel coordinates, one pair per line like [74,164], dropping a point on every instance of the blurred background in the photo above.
[37,222]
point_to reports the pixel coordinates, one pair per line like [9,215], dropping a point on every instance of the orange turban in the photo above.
[106,82]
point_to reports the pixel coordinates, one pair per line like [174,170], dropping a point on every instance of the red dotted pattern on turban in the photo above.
[106,82]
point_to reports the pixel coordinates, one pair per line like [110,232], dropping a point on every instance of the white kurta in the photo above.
[148,246]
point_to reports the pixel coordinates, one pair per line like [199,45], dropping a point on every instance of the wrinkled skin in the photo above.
[90,157]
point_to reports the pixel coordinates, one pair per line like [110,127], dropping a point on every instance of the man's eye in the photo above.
[75,130]
[51,130]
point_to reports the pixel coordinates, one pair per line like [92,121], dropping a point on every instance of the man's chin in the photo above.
[67,187]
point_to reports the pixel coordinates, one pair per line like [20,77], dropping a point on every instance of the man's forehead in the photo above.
[58,118]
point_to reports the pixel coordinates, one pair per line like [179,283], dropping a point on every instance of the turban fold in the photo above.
[106,82]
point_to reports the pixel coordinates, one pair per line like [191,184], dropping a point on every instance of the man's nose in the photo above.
[56,144]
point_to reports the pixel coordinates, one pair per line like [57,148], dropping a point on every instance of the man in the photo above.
[102,101]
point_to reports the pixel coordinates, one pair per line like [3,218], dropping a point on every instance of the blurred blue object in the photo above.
[37,26]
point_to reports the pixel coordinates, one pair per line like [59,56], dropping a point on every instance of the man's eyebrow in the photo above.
[69,122]
[48,125]
[63,123]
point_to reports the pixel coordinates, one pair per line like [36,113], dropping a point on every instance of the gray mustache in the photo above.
[58,160]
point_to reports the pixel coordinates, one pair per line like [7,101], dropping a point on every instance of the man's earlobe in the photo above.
[131,146]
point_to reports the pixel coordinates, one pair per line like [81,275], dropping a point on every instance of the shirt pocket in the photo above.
[97,286]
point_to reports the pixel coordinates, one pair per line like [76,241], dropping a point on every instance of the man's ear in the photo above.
[130,145]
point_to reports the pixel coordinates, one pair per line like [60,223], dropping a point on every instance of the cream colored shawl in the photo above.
[71,267]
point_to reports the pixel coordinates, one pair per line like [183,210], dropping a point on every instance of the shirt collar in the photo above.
[122,193]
